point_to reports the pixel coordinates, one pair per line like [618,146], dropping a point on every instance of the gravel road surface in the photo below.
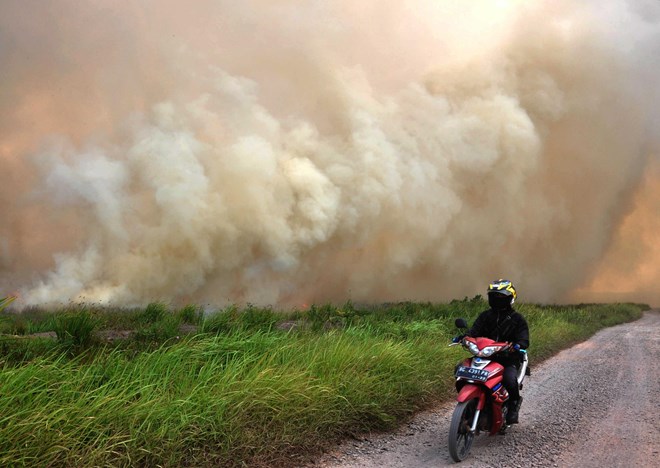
[594,405]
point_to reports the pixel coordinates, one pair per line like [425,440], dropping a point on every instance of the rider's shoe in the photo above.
[512,414]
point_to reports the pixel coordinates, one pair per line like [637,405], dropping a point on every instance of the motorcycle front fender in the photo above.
[470,391]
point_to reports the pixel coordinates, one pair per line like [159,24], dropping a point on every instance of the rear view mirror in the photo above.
[461,323]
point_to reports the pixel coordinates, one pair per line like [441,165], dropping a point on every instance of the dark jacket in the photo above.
[502,326]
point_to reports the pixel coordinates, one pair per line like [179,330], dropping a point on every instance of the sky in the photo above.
[290,152]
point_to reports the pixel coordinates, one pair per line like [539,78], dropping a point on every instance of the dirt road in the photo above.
[594,405]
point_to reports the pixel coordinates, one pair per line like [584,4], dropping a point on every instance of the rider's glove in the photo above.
[516,347]
[457,339]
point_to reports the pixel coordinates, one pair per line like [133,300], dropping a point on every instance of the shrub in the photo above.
[192,314]
[221,321]
[320,316]
[255,318]
[74,329]
[164,329]
[153,313]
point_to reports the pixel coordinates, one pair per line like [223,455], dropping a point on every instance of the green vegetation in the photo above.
[235,387]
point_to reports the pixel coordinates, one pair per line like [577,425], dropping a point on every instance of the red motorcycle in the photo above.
[481,394]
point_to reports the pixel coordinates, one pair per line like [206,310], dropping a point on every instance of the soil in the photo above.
[593,405]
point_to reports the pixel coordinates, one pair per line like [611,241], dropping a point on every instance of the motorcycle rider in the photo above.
[502,323]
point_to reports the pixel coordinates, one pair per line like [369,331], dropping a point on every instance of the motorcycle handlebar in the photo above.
[509,347]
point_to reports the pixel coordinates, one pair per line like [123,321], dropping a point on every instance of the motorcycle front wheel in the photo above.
[460,437]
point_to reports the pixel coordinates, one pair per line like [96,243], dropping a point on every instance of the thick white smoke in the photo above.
[287,152]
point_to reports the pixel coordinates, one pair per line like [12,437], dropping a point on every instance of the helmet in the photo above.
[501,294]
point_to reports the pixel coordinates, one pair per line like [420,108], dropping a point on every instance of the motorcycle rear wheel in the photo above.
[460,437]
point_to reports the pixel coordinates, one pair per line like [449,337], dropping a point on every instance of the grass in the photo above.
[75,330]
[241,390]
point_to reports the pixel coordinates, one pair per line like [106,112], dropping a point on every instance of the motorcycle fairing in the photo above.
[483,342]
[470,391]
[494,368]
[467,390]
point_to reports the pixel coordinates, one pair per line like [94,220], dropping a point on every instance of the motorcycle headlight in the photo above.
[472,347]
[489,350]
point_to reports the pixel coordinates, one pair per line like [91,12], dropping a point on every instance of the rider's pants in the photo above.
[510,382]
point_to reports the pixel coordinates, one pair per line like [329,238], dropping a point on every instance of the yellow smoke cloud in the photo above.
[630,269]
[287,152]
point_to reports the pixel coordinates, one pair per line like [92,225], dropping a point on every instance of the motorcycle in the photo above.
[481,395]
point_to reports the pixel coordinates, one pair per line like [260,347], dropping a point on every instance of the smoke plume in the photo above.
[285,152]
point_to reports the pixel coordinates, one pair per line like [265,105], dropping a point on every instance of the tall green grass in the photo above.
[75,330]
[243,391]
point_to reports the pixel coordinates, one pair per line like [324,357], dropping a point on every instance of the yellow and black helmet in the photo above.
[501,294]
[502,286]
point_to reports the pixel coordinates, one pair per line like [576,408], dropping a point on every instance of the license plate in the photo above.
[472,373]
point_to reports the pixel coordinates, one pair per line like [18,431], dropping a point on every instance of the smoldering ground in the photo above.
[287,152]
